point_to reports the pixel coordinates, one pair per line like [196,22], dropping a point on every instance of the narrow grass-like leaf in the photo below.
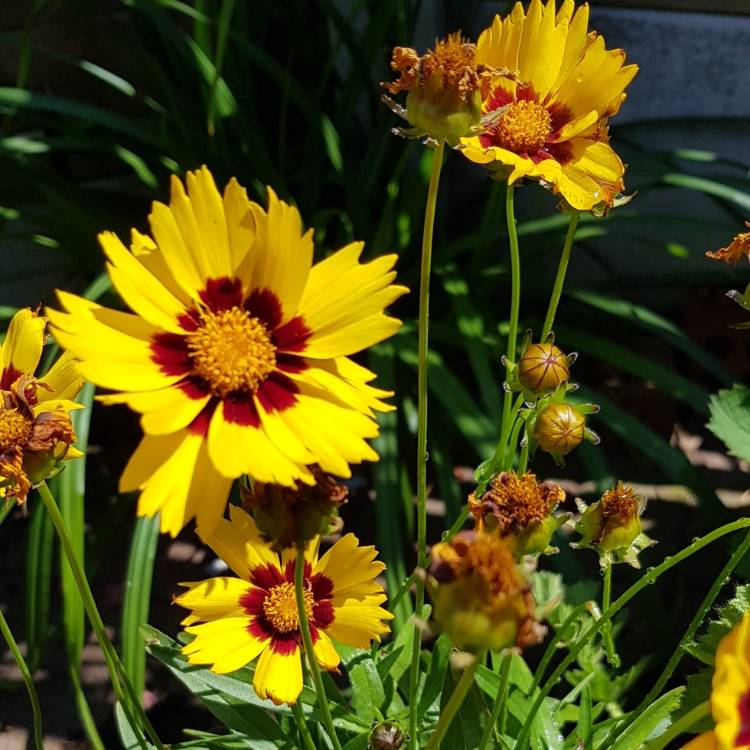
[137,598]
[39,550]
[655,720]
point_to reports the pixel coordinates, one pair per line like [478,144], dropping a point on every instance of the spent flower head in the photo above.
[612,526]
[289,515]
[36,433]
[521,510]
[736,249]
[481,597]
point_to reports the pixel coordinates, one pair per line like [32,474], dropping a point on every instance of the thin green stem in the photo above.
[515,306]
[510,448]
[299,719]
[455,702]
[27,678]
[499,706]
[423,349]
[131,705]
[651,575]
[683,724]
[84,711]
[562,270]
[692,628]
[609,642]
[304,626]
[523,460]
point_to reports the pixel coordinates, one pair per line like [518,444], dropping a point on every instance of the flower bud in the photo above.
[612,525]
[521,509]
[387,736]
[288,515]
[542,368]
[445,88]
[559,429]
[480,597]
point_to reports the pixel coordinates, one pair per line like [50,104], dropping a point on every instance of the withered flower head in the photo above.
[33,441]
[612,526]
[738,247]
[520,508]
[543,368]
[445,88]
[288,515]
[481,599]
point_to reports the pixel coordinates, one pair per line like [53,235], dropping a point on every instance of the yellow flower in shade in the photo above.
[238,354]
[738,247]
[36,434]
[550,124]
[236,620]
[730,693]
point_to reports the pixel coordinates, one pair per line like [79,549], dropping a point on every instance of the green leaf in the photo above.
[730,420]
[368,693]
[137,598]
[39,549]
[584,730]
[704,647]
[654,721]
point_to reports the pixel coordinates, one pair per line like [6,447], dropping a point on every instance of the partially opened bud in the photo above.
[481,599]
[288,515]
[612,526]
[543,368]
[445,88]
[520,509]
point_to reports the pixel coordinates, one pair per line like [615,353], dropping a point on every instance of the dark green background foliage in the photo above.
[101,101]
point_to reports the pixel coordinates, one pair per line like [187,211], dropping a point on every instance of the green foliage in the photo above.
[730,420]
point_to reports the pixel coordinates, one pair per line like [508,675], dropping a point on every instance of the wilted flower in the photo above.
[738,247]
[445,88]
[288,515]
[730,693]
[387,736]
[236,620]
[238,354]
[36,434]
[481,599]
[612,526]
[542,368]
[550,124]
[520,509]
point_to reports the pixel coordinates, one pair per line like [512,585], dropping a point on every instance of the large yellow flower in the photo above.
[730,693]
[36,434]
[551,123]
[235,620]
[237,357]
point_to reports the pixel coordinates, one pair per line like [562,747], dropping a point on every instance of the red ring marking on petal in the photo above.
[322,586]
[277,393]
[222,294]
[291,363]
[199,426]
[170,352]
[266,576]
[323,613]
[292,336]
[252,601]
[239,408]
[265,305]
[195,388]
[286,643]
[9,376]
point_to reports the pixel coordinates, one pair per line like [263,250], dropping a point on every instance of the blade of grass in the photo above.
[137,599]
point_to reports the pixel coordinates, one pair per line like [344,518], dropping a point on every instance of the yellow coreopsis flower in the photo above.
[238,354]
[550,123]
[730,693]
[36,433]
[236,620]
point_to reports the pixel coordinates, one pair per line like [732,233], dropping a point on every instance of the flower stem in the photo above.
[609,642]
[27,678]
[304,626]
[131,705]
[515,305]
[692,628]
[562,269]
[299,719]
[500,704]
[651,575]
[455,702]
[423,348]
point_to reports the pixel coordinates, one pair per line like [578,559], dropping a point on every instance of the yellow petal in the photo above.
[705,741]
[358,623]
[278,676]
[225,644]
[149,254]
[142,292]
[325,652]
[240,223]
[213,598]
[22,347]
[576,40]
[64,379]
